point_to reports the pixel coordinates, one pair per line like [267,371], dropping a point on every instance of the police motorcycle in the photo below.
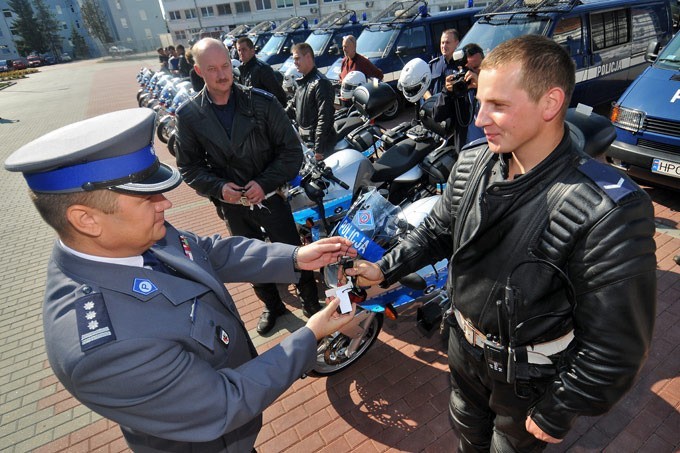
[374,225]
[143,77]
[166,113]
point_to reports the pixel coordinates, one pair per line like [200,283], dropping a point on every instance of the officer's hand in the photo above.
[448,83]
[254,192]
[231,192]
[328,320]
[533,429]
[318,157]
[324,252]
[369,274]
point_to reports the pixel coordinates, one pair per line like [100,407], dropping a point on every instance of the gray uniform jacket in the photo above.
[168,357]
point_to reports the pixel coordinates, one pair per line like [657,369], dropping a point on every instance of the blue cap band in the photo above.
[77,176]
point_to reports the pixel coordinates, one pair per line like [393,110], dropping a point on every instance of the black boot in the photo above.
[274,307]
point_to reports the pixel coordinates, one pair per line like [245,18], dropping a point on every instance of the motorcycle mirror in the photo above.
[413,281]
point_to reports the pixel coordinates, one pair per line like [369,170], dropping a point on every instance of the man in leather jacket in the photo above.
[256,73]
[237,147]
[312,105]
[551,254]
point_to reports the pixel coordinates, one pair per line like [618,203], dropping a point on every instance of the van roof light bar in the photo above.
[528,7]
[336,19]
[263,26]
[239,30]
[401,12]
[292,24]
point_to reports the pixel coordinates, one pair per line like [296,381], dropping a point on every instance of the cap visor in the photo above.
[162,180]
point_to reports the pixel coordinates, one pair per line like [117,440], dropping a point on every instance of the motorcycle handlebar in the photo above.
[328,174]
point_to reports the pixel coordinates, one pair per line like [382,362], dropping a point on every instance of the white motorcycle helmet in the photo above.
[289,79]
[414,79]
[352,80]
[235,63]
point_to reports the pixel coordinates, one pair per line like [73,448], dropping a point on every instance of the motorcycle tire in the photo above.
[394,110]
[172,144]
[163,132]
[143,99]
[330,351]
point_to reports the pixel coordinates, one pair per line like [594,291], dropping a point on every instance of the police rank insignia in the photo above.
[143,286]
[223,336]
[94,325]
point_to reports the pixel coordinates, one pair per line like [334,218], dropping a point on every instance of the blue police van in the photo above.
[647,120]
[607,39]
[277,49]
[261,33]
[326,38]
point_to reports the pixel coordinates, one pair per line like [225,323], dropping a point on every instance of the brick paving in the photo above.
[394,399]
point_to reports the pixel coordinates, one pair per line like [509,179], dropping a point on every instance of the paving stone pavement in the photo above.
[394,399]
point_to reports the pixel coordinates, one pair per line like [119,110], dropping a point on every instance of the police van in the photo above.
[261,33]
[326,38]
[647,120]
[292,31]
[607,39]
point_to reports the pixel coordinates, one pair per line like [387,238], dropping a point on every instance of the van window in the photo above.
[647,23]
[609,29]
[569,34]
[413,38]
[488,33]
[372,43]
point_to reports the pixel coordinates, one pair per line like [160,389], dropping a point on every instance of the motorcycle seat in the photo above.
[346,125]
[400,158]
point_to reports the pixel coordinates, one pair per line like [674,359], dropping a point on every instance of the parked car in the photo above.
[35,60]
[647,123]
[117,51]
[20,63]
[5,65]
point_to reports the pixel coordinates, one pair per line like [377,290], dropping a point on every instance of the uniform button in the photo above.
[496,189]
[87,290]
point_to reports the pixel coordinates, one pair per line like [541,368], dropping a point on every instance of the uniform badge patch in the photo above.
[143,286]
[94,325]
[615,185]
[223,336]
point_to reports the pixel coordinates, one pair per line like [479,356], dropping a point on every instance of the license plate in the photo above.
[666,167]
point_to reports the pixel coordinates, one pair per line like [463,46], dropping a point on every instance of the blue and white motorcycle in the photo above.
[374,225]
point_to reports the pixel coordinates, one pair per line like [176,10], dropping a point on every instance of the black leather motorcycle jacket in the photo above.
[263,146]
[312,108]
[258,74]
[587,220]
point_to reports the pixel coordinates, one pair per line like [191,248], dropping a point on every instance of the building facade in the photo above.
[136,24]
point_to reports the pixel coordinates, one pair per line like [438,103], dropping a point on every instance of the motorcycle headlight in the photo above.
[628,119]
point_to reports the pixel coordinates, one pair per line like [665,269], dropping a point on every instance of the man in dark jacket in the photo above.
[238,148]
[551,263]
[312,105]
[256,73]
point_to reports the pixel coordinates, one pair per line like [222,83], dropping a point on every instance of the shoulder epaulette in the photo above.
[263,93]
[613,183]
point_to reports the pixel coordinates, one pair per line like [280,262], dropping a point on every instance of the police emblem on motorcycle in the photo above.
[364,219]
[143,286]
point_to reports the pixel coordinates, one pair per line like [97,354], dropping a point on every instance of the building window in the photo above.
[123,22]
[190,13]
[147,32]
[180,34]
[307,2]
[207,11]
[7,13]
[223,9]
[58,8]
[142,15]
[64,26]
[174,15]
[263,4]
[242,7]
[331,1]
[284,4]
[118,7]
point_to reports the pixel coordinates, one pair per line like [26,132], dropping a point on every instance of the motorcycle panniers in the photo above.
[438,164]
[372,100]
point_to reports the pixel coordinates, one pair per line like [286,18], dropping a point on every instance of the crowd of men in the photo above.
[552,257]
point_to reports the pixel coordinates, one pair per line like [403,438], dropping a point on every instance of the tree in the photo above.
[23,28]
[95,21]
[48,28]
[80,49]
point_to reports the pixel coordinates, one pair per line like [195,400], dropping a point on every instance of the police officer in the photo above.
[443,65]
[312,105]
[138,324]
[237,147]
[551,263]
[254,72]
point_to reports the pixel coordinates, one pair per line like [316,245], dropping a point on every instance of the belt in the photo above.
[536,354]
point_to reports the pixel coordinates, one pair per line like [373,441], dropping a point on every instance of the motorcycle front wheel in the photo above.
[330,352]
[164,128]
[172,144]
